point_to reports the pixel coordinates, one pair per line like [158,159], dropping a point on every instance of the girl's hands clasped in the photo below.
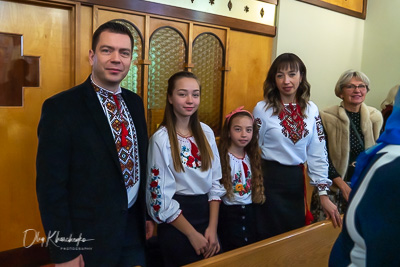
[214,247]
[198,242]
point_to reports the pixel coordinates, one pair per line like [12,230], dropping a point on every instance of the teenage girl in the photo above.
[242,179]
[184,173]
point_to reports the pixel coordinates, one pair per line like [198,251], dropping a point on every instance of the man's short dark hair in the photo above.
[110,26]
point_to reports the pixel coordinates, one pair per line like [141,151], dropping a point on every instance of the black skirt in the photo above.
[175,246]
[284,208]
[236,226]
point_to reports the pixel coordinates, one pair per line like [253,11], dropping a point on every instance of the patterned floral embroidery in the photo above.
[320,128]
[322,187]
[190,156]
[238,187]
[259,122]
[292,122]
[155,191]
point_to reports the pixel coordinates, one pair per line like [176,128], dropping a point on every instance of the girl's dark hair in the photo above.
[271,92]
[252,150]
[169,122]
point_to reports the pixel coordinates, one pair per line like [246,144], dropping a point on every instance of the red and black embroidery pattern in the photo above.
[322,187]
[126,144]
[292,122]
[320,128]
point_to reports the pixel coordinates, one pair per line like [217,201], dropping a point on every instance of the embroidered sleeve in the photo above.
[259,114]
[217,189]
[317,156]
[160,184]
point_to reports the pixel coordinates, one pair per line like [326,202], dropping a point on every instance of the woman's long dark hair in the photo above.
[271,93]
[252,150]
[169,122]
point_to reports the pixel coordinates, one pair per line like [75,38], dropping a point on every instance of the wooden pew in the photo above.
[307,246]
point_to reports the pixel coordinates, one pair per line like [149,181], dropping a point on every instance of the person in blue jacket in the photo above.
[371,225]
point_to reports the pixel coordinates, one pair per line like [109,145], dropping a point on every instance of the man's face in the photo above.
[111,60]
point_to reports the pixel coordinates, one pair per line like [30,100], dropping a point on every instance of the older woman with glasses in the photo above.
[350,128]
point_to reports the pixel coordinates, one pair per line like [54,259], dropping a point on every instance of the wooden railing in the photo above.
[307,246]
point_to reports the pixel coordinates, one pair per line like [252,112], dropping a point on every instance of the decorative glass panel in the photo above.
[208,59]
[132,80]
[167,56]
[16,71]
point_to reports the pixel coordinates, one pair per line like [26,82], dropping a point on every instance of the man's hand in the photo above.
[77,262]
[149,229]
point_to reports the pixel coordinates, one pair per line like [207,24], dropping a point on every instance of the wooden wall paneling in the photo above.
[249,58]
[226,70]
[85,44]
[76,37]
[146,63]
[48,32]
[189,63]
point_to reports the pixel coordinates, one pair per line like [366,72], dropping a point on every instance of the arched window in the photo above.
[208,59]
[133,80]
[167,54]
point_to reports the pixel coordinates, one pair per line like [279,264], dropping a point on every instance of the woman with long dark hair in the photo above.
[291,134]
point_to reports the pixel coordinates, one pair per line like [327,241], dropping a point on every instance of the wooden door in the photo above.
[47,33]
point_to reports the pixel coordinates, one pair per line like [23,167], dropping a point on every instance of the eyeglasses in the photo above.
[353,86]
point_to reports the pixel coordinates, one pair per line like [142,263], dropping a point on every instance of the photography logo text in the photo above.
[32,236]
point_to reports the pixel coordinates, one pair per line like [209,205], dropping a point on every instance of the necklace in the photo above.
[236,156]
[188,134]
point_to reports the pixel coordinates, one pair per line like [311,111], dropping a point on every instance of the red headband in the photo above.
[238,110]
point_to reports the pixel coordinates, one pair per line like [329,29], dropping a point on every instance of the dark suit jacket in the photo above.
[80,187]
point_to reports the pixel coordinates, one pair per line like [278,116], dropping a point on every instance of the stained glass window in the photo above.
[167,55]
[208,59]
[132,81]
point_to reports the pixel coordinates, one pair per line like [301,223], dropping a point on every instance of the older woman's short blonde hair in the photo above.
[345,78]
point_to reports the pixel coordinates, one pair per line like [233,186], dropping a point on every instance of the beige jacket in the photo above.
[337,127]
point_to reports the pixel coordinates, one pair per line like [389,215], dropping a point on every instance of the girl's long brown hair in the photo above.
[271,93]
[169,122]
[252,150]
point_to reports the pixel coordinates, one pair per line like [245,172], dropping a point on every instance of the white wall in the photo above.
[381,50]
[328,42]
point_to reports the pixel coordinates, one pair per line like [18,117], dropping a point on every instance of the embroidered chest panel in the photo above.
[120,120]
[292,122]
[190,154]
[241,175]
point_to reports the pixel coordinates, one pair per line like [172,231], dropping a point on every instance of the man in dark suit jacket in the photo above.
[91,162]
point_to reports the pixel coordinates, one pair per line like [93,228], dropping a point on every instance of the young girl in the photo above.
[242,179]
[183,177]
